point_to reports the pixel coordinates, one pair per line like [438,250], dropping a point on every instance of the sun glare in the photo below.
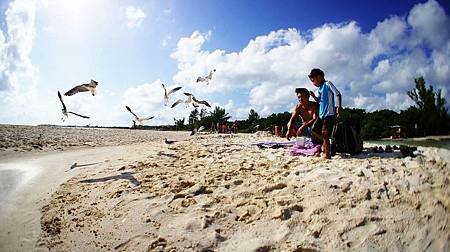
[73,17]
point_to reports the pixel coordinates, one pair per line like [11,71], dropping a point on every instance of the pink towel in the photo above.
[310,149]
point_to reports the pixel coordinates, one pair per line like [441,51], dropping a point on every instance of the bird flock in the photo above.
[138,121]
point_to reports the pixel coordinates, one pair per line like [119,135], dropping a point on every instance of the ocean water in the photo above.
[444,143]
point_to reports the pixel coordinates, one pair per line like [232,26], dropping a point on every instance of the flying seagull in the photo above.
[197,130]
[166,94]
[207,78]
[191,99]
[138,120]
[83,88]
[65,112]
[187,101]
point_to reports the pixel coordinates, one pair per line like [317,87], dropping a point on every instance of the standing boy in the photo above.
[327,111]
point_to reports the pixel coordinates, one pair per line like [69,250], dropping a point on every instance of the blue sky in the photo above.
[262,50]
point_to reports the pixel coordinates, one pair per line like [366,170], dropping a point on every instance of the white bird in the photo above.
[138,120]
[197,130]
[65,112]
[187,101]
[207,78]
[83,88]
[166,94]
[191,99]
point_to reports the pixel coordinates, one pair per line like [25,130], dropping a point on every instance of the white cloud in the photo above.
[16,45]
[430,23]
[134,16]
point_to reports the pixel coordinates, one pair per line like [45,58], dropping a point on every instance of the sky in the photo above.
[261,50]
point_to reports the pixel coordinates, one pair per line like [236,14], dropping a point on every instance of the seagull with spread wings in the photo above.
[138,120]
[191,99]
[197,130]
[207,78]
[166,94]
[187,101]
[83,88]
[65,112]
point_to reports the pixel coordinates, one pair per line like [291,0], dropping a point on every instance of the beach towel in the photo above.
[310,149]
[274,145]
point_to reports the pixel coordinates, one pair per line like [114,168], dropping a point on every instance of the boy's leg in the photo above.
[327,127]
[316,134]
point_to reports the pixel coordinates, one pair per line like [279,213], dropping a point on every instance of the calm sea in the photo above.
[444,143]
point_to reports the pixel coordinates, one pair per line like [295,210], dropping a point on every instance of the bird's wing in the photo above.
[176,103]
[128,108]
[147,118]
[87,117]
[76,89]
[201,102]
[193,132]
[209,75]
[188,94]
[173,90]
[165,90]
[201,128]
[60,98]
[199,79]
[205,103]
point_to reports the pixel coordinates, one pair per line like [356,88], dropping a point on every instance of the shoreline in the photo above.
[437,138]
[22,205]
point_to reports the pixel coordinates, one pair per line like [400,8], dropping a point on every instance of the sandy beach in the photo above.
[126,190]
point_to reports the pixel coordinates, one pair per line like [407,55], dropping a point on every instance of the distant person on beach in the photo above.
[327,112]
[307,112]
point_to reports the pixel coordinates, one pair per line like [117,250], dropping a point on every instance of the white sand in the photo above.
[216,192]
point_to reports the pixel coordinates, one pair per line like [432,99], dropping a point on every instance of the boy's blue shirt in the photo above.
[326,94]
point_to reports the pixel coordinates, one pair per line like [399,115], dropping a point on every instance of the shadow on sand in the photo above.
[124,175]
[76,165]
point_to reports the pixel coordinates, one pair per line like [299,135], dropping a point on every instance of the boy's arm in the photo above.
[313,95]
[338,94]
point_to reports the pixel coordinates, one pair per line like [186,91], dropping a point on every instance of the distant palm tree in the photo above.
[193,117]
[179,123]
[219,115]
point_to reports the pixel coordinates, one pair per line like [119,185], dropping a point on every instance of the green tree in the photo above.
[193,117]
[203,113]
[219,115]
[433,113]
[253,118]
[179,123]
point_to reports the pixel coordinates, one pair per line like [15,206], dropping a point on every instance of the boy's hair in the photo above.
[302,91]
[315,72]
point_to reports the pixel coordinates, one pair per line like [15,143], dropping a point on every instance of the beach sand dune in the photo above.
[218,192]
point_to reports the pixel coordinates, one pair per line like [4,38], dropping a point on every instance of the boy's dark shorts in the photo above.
[324,126]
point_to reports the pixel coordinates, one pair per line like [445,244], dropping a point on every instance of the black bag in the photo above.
[345,138]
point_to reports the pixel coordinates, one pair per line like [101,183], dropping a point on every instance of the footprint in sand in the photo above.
[359,235]
[135,242]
